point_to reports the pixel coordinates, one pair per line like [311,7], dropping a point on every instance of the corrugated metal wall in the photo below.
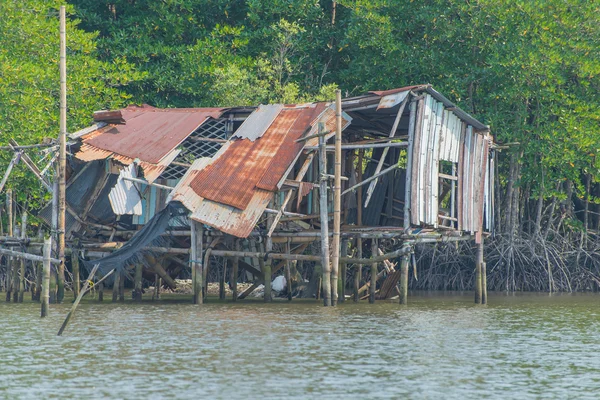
[441,135]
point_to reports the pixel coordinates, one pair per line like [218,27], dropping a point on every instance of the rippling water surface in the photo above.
[439,346]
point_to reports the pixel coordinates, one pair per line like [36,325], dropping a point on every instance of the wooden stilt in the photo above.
[196,261]
[75,267]
[404,279]
[46,277]
[373,286]
[115,287]
[137,283]
[222,280]
[100,286]
[483,283]
[23,261]
[358,268]
[234,273]
[343,271]
[52,286]
[16,282]
[325,264]
[10,261]
[478,274]
[158,286]
[483,268]
[62,157]
[337,202]
[288,272]
[121,287]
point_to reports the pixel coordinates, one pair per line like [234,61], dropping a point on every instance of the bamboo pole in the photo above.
[121,287]
[235,272]
[404,279]
[115,287]
[306,257]
[337,196]
[62,156]
[22,274]
[81,294]
[373,286]
[9,260]
[100,285]
[343,269]
[359,206]
[326,280]
[75,267]
[222,280]
[196,260]
[482,272]
[288,272]
[46,277]
[478,274]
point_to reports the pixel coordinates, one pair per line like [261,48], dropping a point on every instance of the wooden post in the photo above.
[483,267]
[478,273]
[234,272]
[46,277]
[288,272]
[343,268]
[122,287]
[115,287]
[100,290]
[196,256]
[222,280]
[137,291]
[373,286]
[75,267]
[326,281]
[337,196]
[358,268]
[404,279]
[52,287]
[86,287]
[23,261]
[62,156]
[9,260]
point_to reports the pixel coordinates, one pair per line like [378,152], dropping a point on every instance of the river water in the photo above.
[437,347]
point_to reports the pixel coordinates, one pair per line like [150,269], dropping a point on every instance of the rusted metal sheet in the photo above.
[392,100]
[149,137]
[397,90]
[247,166]
[289,150]
[220,216]
[231,179]
[258,122]
[150,134]
[109,116]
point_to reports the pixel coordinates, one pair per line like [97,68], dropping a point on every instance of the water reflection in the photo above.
[440,346]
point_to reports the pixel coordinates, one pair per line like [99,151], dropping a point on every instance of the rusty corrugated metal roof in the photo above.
[245,166]
[151,133]
[220,216]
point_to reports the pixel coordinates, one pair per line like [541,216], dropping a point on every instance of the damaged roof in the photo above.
[148,134]
[231,191]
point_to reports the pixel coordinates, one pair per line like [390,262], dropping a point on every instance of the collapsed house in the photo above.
[254,186]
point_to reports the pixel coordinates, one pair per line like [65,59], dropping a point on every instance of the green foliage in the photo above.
[530,69]
[29,82]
